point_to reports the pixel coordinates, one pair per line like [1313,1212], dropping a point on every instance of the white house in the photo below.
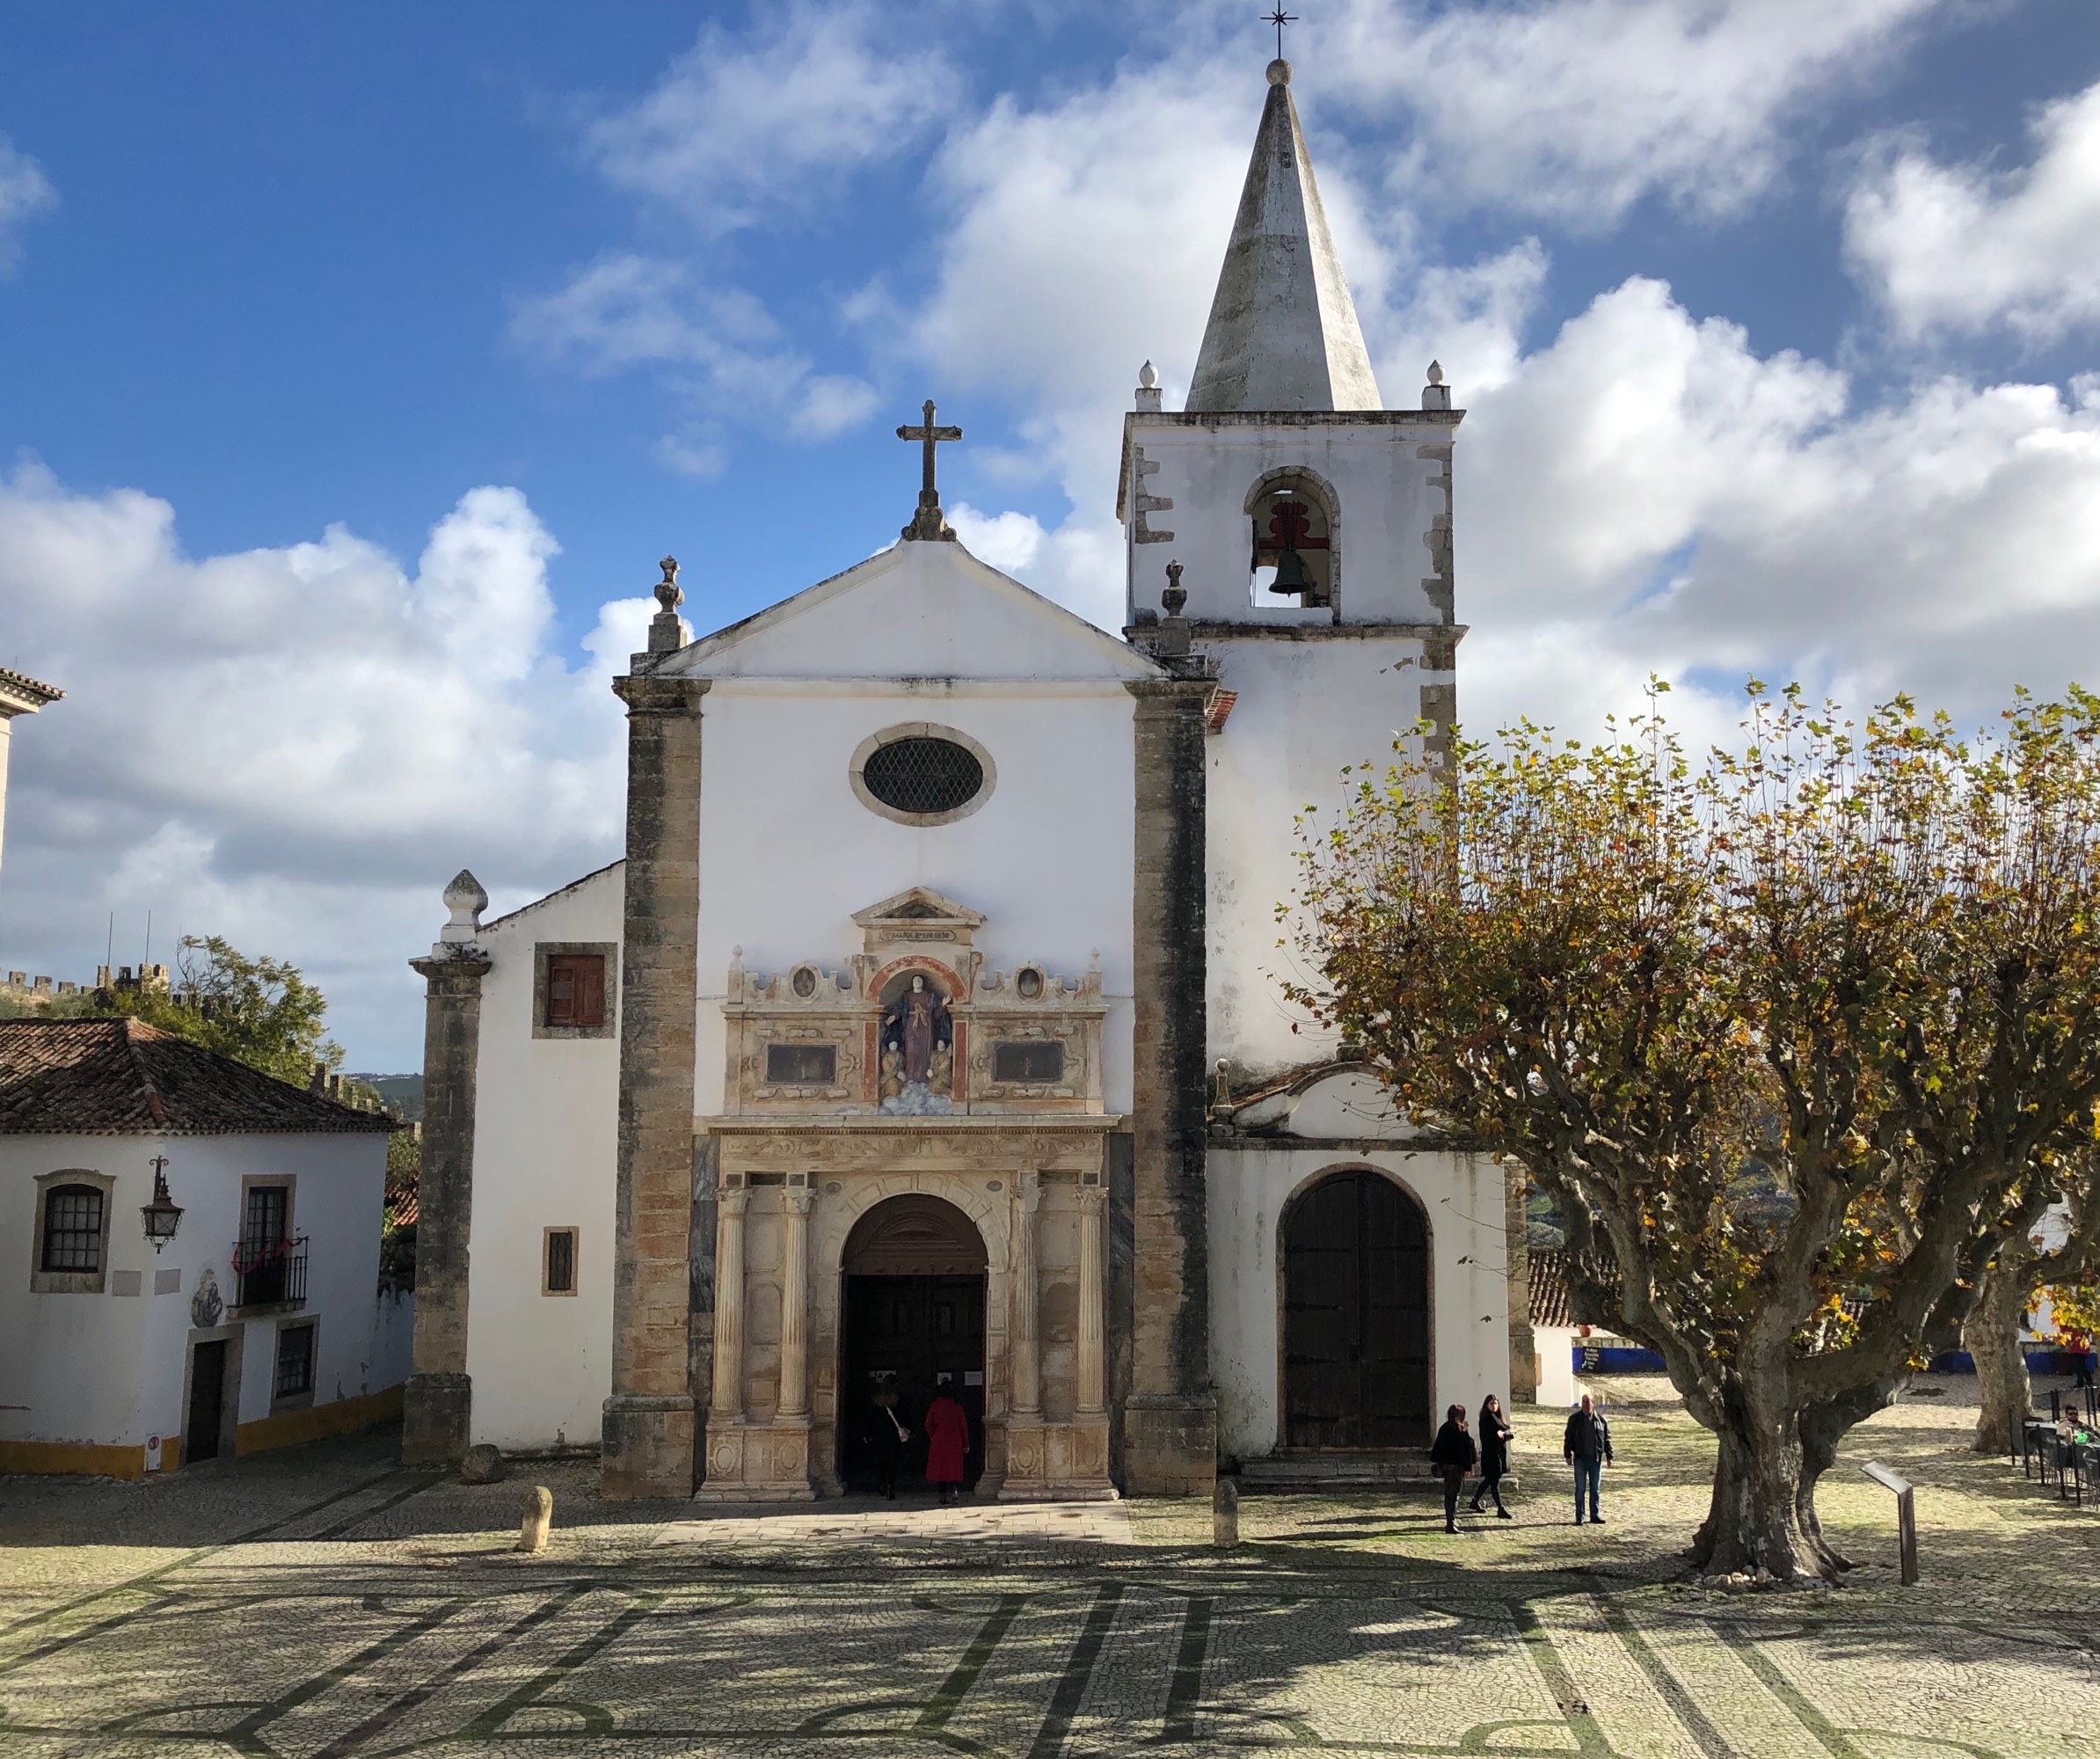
[252,1324]
[930,1028]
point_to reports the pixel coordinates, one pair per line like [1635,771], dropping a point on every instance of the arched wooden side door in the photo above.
[1355,1317]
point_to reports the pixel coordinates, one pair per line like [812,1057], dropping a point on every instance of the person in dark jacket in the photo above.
[888,1433]
[1587,1446]
[1495,1437]
[1453,1456]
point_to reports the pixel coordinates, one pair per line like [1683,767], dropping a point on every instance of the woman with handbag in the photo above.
[1452,1456]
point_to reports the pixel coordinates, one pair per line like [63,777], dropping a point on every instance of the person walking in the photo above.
[1586,1445]
[887,1435]
[1495,1437]
[1453,1456]
[947,1442]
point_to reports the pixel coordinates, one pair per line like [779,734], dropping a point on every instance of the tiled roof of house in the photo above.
[122,1077]
[1548,1288]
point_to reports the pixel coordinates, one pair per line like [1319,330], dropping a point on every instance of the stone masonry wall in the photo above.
[650,1422]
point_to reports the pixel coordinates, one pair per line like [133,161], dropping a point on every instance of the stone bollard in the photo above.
[1225,1513]
[539,1516]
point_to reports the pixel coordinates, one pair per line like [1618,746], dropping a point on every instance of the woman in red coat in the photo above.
[947,1440]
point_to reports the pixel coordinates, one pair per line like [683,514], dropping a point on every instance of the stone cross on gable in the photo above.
[929,523]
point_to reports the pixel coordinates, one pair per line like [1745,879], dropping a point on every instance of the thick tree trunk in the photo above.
[1991,1334]
[1762,1516]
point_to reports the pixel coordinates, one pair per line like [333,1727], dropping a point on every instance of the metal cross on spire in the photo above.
[1280,18]
[927,523]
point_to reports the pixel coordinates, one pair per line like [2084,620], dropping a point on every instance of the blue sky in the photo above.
[355,366]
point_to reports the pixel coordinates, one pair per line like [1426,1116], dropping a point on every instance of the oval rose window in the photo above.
[924,775]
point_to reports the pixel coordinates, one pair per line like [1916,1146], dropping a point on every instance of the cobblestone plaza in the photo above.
[325,1602]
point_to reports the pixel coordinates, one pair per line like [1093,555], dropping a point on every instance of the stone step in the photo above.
[1310,1472]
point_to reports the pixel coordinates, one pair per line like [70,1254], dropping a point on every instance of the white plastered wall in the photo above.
[1305,709]
[1385,506]
[545,1145]
[1249,1189]
[787,853]
[108,1368]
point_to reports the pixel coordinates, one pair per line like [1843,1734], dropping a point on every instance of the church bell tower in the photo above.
[1309,528]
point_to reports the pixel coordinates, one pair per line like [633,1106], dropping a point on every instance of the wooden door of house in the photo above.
[208,1402]
[1356,1317]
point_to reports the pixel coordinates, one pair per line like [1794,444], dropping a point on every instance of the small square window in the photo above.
[575,990]
[295,1361]
[1029,1061]
[801,1065]
[558,1271]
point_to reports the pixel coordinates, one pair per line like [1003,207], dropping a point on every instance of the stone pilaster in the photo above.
[1093,1203]
[437,1403]
[649,1438]
[794,1304]
[726,1411]
[1170,1445]
[1022,1344]
[1523,1343]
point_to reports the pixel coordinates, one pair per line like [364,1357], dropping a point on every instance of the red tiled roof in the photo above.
[121,1077]
[401,1202]
[1548,1288]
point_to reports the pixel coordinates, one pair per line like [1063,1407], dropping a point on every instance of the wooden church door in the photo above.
[1355,1317]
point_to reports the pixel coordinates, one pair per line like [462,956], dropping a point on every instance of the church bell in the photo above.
[1291,576]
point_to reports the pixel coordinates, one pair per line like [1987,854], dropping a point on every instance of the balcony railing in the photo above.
[269,1272]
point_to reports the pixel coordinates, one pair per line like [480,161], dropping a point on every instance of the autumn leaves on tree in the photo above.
[1798,1037]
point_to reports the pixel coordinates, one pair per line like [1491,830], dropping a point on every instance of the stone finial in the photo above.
[1436,394]
[1176,597]
[1279,71]
[666,628]
[465,899]
[1148,387]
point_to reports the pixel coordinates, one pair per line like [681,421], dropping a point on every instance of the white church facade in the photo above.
[928,1035]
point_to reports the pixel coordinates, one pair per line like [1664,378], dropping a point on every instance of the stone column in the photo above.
[437,1403]
[1093,1205]
[650,1439]
[18,696]
[1022,1346]
[1170,1420]
[794,1305]
[727,1410]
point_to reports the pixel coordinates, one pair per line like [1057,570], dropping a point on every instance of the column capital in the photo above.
[645,694]
[455,971]
[734,1199]
[800,1199]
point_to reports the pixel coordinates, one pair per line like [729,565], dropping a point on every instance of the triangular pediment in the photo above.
[919,904]
[915,611]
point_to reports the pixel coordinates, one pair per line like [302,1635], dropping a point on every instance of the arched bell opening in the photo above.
[1355,1246]
[912,1300]
[1293,518]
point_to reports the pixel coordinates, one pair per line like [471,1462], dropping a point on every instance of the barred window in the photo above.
[802,1065]
[73,1228]
[921,775]
[294,1361]
[559,1277]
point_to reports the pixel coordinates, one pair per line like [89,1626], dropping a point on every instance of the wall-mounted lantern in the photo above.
[163,1215]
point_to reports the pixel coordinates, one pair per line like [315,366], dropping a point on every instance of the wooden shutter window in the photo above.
[575,990]
[558,1275]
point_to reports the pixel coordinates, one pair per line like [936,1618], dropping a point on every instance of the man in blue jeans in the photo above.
[1587,1446]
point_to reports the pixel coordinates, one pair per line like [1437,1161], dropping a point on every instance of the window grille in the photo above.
[575,990]
[923,774]
[801,1065]
[1029,1061]
[561,1262]
[294,1361]
[73,1228]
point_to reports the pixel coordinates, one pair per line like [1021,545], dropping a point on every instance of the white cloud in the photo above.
[716,349]
[25,193]
[294,747]
[740,127]
[1650,495]
[1577,110]
[1962,248]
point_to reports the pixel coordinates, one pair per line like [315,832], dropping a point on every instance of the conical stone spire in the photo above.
[1283,333]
